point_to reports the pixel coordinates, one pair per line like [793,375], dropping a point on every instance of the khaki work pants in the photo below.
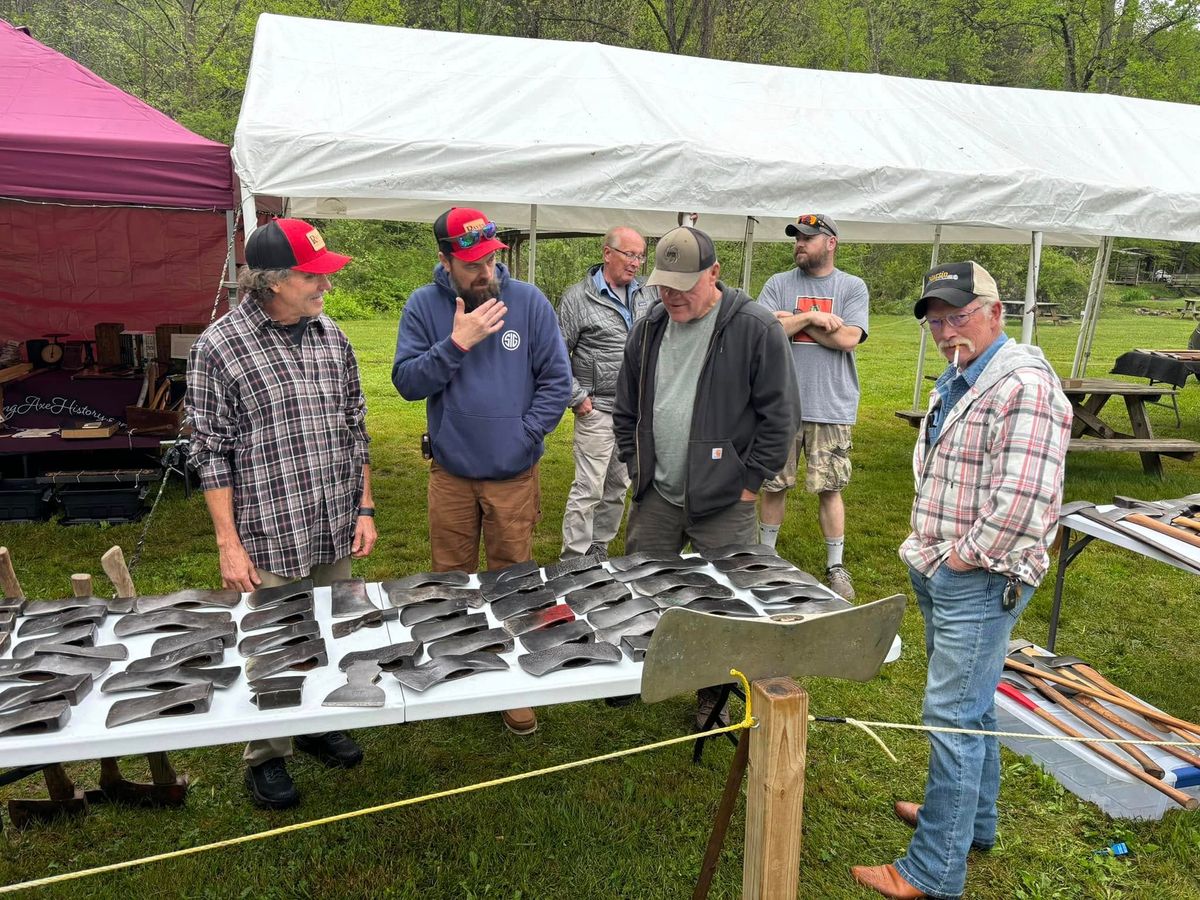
[596,501]
[258,752]
[461,509]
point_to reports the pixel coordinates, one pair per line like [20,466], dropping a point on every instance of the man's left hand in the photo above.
[364,537]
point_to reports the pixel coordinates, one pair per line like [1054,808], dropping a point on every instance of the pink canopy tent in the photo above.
[109,210]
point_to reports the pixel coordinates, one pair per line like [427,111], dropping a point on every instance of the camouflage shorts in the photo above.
[826,450]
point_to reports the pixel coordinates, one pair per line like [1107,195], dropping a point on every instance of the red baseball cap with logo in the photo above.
[466,234]
[291,244]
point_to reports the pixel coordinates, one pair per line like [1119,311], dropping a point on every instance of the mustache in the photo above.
[951,343]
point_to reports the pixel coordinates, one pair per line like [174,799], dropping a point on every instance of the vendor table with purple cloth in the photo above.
[48,398]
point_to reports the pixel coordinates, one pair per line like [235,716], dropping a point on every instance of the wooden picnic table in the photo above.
[1090,433]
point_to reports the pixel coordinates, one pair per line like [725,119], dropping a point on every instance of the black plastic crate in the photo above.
[24,500]
[90,503]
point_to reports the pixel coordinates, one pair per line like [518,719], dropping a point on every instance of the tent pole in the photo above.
[933,261]
[1087,350]
[231,259]
[1088,311]
[1031,283]
[532,279]
[747,253]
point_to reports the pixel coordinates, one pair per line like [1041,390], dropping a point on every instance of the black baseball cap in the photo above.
[957,284]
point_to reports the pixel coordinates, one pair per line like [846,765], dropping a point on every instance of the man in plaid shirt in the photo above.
[989,471]
[280,441]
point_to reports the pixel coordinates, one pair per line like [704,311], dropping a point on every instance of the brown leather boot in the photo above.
[906,811]
[520,721]
[885,880]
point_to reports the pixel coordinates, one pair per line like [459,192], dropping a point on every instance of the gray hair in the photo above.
[256,284]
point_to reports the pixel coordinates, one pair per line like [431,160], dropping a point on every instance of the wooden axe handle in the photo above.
[1175,794]
[1185,522]
[1078,711]
[1161,528]
[81,584]
[1137,731]
[118,573]
[8,577]
[1095,692]
[1153,716]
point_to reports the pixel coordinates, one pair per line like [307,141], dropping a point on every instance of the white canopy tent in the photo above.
[366,121]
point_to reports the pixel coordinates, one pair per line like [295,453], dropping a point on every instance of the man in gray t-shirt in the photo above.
[824,313]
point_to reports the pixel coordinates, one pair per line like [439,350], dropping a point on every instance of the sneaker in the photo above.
[335,749]
[520,721]
[839,580]
[600,551]
[706,702]
[271,786]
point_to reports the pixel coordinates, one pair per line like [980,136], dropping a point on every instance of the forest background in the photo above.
[189,58]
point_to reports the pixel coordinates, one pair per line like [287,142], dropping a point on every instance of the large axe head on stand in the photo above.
[691,650]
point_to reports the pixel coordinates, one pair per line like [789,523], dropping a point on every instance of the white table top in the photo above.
[1076,522]
[233,718]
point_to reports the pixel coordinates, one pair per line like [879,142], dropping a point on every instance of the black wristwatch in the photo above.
[367,511]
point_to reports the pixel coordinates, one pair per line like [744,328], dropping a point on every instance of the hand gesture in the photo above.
[472,327]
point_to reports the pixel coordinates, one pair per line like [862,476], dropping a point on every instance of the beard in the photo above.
[476,295]
[811,261]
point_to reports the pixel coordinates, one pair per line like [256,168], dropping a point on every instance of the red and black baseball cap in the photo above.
[466,234]
[291,244]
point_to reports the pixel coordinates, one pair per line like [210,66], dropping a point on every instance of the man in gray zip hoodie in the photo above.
[595,316]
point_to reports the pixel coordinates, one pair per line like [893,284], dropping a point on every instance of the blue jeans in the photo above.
[966,640]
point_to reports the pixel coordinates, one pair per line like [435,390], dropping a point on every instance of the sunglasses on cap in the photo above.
[813,221]
[469,239]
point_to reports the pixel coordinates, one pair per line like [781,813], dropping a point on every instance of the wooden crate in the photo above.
[108,344]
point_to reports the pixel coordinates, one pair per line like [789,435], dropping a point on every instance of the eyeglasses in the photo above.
[958,320]
[470,238]
[632,257]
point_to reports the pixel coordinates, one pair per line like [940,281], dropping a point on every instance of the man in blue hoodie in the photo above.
[485,352]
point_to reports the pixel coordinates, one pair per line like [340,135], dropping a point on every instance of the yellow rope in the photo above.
[747,722]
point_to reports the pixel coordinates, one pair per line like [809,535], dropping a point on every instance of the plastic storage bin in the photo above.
[24,500]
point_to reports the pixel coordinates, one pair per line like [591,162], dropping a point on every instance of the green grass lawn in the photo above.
[637,828]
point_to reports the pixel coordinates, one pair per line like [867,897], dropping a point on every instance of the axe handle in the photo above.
[8,577]
[1154,716]
[1137,731]
[81,584]
[1185,522]
[1155,525]
[1096,692]
[118,573]
[1077,710]
[1175,794]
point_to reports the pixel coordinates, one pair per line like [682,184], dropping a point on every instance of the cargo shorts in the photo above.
[826,450]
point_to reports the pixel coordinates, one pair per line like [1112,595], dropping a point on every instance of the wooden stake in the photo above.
[775,790]
[8,577]
[118,573]
[716,840]
[81,584]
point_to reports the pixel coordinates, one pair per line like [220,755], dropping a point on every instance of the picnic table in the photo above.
[1046,309]
[1090,433]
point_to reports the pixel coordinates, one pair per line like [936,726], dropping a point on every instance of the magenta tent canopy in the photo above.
[66,134]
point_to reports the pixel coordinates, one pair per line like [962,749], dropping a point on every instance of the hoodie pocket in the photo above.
[716,475]
[488,447]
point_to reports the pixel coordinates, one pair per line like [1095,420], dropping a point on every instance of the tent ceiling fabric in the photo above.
[366,121]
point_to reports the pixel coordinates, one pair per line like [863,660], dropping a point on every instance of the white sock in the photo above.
[833,551]
[768,534]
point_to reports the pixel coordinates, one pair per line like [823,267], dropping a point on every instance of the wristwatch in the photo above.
[367,511]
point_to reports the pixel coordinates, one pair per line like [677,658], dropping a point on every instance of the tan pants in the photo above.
[596,501]
[460,509]
[258,752]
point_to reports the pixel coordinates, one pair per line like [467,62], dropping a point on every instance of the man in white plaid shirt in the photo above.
[989,471]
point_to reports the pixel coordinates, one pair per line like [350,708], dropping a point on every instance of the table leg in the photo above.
[1087,418]
[1066,554]
[1151,462]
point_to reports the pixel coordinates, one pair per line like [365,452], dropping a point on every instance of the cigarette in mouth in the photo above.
[956,349]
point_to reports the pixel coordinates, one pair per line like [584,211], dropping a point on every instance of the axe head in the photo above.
[1065,662]
[1075,506]
[1016,646]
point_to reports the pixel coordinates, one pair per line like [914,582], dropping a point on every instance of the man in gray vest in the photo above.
[595,316]
[706,409]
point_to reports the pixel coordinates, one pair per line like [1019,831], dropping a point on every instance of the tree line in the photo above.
[189,58]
